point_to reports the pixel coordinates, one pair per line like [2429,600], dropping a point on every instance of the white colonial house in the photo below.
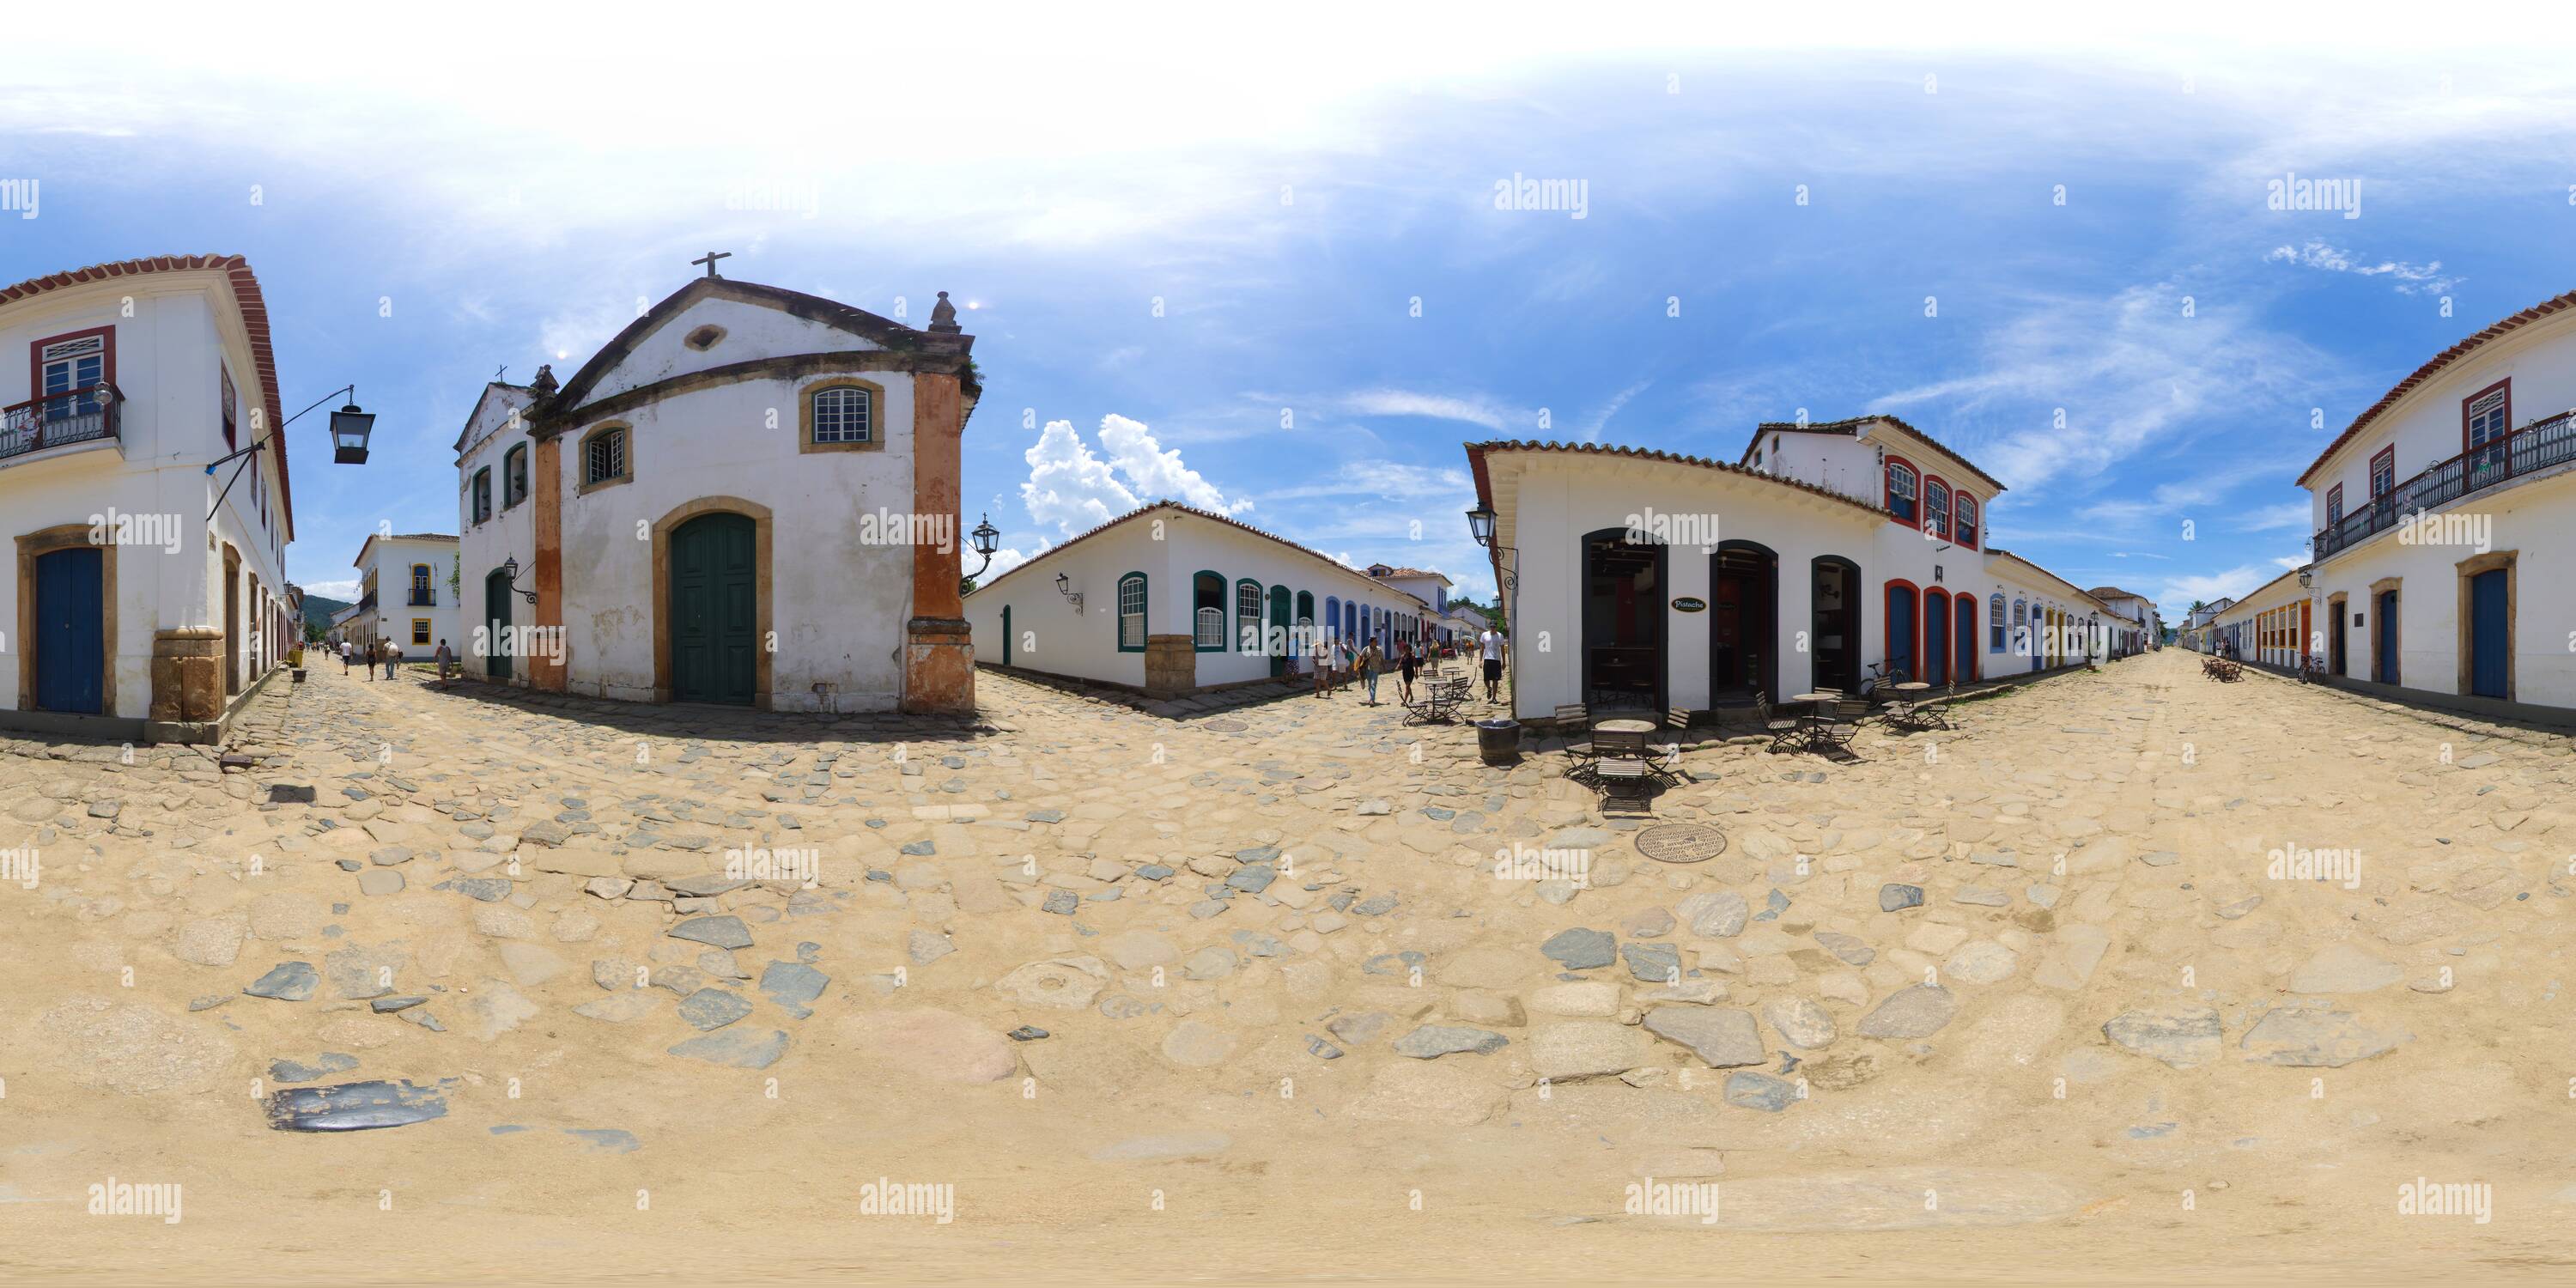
[150,595]
[2424,507]
[2268,625]
[1170,600]
[2197,633]
[496,476]
[405,594]
[1828,554]
[2132,621]
[1424,584]
[749,496]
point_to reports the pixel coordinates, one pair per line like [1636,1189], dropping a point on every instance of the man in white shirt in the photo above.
[1492,645]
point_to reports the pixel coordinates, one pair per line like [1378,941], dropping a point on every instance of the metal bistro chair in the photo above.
[1783,731]
[1834,729]
[1573,722]
[1622,761]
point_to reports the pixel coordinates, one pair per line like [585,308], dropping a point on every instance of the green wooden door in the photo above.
[497,644]
[715,610]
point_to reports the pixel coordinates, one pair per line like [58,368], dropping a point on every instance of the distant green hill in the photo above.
[318,609]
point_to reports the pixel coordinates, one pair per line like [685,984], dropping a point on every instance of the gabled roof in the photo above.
[254,313]
[1152,506]
[884,332]
[477,408]
[1392,574]
[1476,453]
[361,560]
[2446,357]
[1852,426]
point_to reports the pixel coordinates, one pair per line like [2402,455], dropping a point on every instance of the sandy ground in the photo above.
[2111,832]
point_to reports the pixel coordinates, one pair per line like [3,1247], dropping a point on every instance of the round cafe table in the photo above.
[1625,726]
[1911,686]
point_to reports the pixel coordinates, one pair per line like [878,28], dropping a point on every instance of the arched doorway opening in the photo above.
[1903,657]
[1936,637]
[1624,584]
[1833,638]
[714,624]
[1743,620]
[497,644]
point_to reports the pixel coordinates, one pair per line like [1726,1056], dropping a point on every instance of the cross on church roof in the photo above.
[710,260]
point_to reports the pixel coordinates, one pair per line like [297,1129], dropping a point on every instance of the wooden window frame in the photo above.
[875,441]
[1255,641]
[582,458]
[2334,505]
[1144,610]
[420,632]
[514,475]
[2389,455]
[1887,492]
[481,493]
[2503,436]
[1942,531]
[1965,517]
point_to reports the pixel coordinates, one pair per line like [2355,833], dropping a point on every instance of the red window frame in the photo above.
[2387,455]
[1944,530]
[36,357]
[2505,386]
[1964,514]
[2334,505]
[1887,491]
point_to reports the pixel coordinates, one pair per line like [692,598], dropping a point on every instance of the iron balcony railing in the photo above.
[2528,450]
[55,420]
[423,599]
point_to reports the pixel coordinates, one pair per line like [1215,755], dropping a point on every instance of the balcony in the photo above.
[421,598]
[57,420]
[2538,446]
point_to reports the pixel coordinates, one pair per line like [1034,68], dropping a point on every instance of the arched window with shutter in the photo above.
[1131,613]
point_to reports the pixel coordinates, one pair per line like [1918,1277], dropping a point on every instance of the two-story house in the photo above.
[1827,554]
[405,594]
[149,598]
[2424,506]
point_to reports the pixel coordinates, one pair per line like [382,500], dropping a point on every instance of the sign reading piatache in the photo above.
[1688,604]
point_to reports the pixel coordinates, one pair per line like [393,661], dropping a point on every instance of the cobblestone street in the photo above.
[2114,937]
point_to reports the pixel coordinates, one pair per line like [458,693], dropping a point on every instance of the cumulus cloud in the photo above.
[1075,489]
[345,590]
[2411,279]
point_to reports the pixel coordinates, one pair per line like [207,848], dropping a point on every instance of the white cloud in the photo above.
[2231,584]
[1404,402]
[1591,429]
[2288,516]
[1156,473]
[1072,488]
[342,590]
[1069,487]
[2411,279]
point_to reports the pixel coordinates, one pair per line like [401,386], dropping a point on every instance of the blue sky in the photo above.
[425,206]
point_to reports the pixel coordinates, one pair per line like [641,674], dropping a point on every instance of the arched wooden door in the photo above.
[715,610]
[497,644]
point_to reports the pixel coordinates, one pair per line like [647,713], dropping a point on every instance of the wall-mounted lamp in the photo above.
[510,574]
[987,540]
[1064,587]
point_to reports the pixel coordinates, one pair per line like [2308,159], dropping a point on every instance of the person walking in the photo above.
[1491,644]
[1405,664]
[1370,663]
[445,657]
[344,657]
[1322,660]
[392,655]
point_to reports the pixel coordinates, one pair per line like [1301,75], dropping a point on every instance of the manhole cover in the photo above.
[1681,843]
[1225,726]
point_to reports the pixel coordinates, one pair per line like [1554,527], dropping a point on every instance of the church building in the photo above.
[749,496]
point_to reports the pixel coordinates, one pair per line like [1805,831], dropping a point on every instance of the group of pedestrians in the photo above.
[380,655]
[1335,660]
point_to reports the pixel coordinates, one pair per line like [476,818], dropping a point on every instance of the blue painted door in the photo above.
[1966,637]
[1900,630]
[71,631]
[1006,635]
[2489,635]
[1936,639]
[1278,641]
[2384,658]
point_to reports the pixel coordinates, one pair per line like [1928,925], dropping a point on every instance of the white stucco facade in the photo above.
[1180,554]
[2429,582]
[127,476]
[495,517]
[1776,579]
[778,435]
[403,584]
